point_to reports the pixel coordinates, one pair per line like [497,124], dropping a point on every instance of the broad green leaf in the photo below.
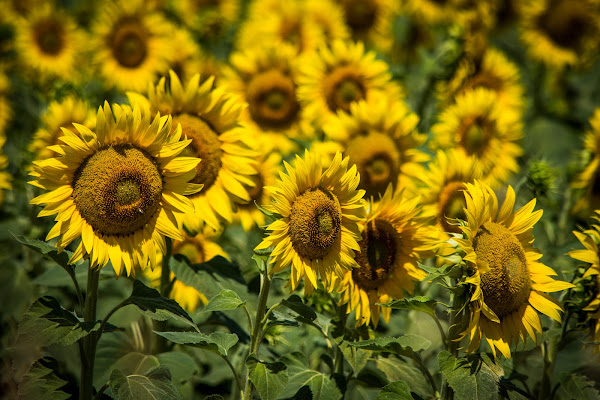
[419,303]
[48,251]
[578,387]
[154,385]
[218,342]
[133,363]
[476,377]
[41,383]
[181,365]
[405,345]
[396,370]
[397,390]
[224,301]
[156,306]
[294,303]
[269,379]
[356,357]
[322,386]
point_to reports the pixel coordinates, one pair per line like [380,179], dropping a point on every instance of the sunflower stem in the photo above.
[549,350]
[452,342]
[265,285]
[165,289]
[90,341]
[339,356]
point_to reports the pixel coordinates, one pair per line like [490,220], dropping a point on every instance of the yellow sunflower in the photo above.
[248,214]
[370,21]
[117,188]
[210,19]
[210,119]
[49,42]
[433,12]
[318,229]
[493,71]
[509,283]
[561,32]
[381,138]
[477,125]
[333,78]
[5,177]
[131,44]
[60,114]
[197,249]
[589,179]
[328,16]
[5,107]
[394,239]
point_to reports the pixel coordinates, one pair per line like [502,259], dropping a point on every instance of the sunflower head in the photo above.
[317,232]
[589,179]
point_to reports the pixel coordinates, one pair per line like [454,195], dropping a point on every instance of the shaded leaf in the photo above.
[322,386]
[396,371]
[41,383]
[269,379]
[405,345]
[181,365]
[356,357]
[48,251]
[475,377]
[133,363]
[578,387]
[419,303]
[397,390]
[224,301]
[155,384]
[218,342]
[294,303]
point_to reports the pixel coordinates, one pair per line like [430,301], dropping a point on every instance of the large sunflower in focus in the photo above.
[394,239]
[509,284]
[589,178]
[49,42]
[60,114]
[210,119]
[131,44]
[478,126]
[381,138]
[117,188]
[317,232]
[561,32]
[333,78]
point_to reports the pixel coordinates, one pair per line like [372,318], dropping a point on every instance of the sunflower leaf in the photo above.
[154,384]
[418,303]
[226,300]
[322,386]
[217,342]
[48,251]
[294,303]
[397,390]
[474,377]
[41,383]
[575,386]
[406,345]
[269,379]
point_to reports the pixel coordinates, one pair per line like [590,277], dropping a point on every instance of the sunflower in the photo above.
[210,19]
[5,107]
[478,126]
[394,239]
[248,214]
[49,42]
[434,12]
[333,78]
[561,32]
[118,188]
[210,118]
[589,178]
[5,177]
[197,249]
[131,44]
[381,138]
[318,226]
[370,21]
[328,16]
[60,114]
[493,71]
[509,284]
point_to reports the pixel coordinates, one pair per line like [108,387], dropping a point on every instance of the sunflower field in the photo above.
[300,199]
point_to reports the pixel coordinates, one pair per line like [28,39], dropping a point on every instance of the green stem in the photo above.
[90,341]
[428,376]
[265,285]
[165,290]
[250,325]
[442,334]
[266,317]
[549,350]
[339,356]
[235,375]
[105,320]
[454,327]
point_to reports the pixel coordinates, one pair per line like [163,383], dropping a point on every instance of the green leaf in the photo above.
[294,303]
[224,301]
[397,390]
[419,303]
[217,342]
[133,363]
[396,370]
[268,378]
[578,387]
[155,384]
[156,306]
[405,345]
[41,383]
[48,251]
[322,386]
[475,377]
[181,365]
[356,357]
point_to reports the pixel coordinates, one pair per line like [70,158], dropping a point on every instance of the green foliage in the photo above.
[579,387]
[217,342]
[51,252]
[418,303]
[295,303]
[395,370]
[322,386]
[476,377]
[268,378]
[226,300]
[133,363]
[405,345]
[181,365]
[154,384]
[356,357]
[41,383]
[397,390]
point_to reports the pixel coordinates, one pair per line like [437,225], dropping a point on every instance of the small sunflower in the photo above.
[434,12]
[370,21]
[131,44]
[265,78]
[60,114]
[561,32]
[5,177]
[333,78]
[248,214]
[589,178]
[509,284]
[318,229]
[210,119]
[381,138]
[210,19]
[394,239]
[117,188]
[478,126]
[5,107]
[328,16]
[197,249]
[49,42]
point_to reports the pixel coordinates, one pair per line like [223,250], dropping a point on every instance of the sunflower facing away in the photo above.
[210,119]
[589,178]
[509,283]
[393,240]
[117,188]
[317,232]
